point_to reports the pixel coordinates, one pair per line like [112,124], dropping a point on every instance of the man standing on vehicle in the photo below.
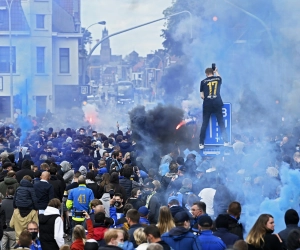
[212,103]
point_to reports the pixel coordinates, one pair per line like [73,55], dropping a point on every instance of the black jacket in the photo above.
[3,174]
[164,245]
[21,173]
[95,188]
[284,233]
[127,184]
[58,187]
[110,248]
[8,206]
[2,222]
[25,196]
[271,242]
[44,192]
[135,202]
[154,206]
[235,227]
[228,238]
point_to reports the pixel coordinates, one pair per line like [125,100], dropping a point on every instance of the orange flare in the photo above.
[181,124]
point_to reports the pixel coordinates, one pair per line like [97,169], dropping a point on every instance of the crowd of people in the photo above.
[81,189]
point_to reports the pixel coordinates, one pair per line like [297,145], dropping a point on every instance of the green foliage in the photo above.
[173,46]
[87,37]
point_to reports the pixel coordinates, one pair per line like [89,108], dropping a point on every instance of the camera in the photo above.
[213,66]
[79,214]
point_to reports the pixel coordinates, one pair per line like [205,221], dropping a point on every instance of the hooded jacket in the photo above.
[51,235]
[179,238]
[19,223]
[83,170]
[106,203]
[66,168]
[8,181]
[25,196]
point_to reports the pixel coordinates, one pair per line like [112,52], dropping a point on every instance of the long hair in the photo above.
[105,180]
[79,233]
[258,231]
[165,220]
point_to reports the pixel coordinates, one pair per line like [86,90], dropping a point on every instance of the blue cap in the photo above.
[143,211]
[181,217]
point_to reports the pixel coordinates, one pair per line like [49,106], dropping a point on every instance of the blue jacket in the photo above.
[128,245]
[210,242]
[36,245]
[228,238]
[144,220]
[179,238]
[25,196]
[79,199]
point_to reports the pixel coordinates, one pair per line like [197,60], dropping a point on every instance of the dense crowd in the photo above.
[80,189]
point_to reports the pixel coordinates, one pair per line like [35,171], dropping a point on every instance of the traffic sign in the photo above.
[213,132]
[84,90]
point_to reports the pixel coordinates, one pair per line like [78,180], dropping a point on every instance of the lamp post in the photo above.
[9,4]
[132,28]
[82,42]
[256,18]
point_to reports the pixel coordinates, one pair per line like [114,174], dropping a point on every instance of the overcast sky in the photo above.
[123,14]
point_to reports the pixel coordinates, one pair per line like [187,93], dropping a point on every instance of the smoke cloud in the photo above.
[155,130]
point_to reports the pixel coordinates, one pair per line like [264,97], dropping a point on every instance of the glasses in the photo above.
[32,229]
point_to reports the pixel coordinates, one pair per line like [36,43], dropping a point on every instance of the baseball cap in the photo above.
[205,221]
[181,217]
[143,211]
[149,185]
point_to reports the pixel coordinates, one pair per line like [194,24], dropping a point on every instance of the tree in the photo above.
[87,38]
[174,46]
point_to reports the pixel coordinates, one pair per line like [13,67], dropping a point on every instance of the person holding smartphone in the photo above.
[210,92]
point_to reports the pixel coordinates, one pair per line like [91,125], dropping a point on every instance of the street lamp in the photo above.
[256,18]
[135,27]
[82,43]
[9,4]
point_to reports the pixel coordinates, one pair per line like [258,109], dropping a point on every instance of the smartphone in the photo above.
[213,66]
[79,214]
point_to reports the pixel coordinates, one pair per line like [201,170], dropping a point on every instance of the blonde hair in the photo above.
[157,185]
[165,220]
[140,236]
[112,234]
[258,231]
[79,233]
[126,155]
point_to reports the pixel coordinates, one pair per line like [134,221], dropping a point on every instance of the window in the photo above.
[4,59]
[40,59]
[64,60]
[40,21]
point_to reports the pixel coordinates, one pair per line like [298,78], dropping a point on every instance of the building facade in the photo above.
[45,35]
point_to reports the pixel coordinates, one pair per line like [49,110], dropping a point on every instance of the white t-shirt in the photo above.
[207,196]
